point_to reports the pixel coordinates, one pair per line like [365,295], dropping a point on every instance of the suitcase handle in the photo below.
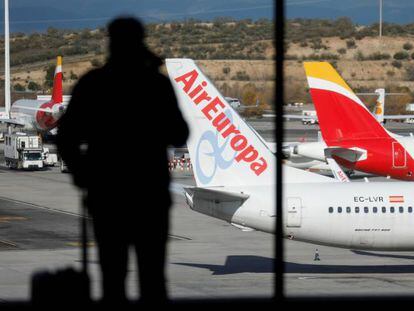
[84,231]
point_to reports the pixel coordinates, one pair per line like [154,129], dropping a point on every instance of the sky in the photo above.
[29,15]
[360,11]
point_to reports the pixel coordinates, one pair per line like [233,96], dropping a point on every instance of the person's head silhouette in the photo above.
[126,42]
[126,35]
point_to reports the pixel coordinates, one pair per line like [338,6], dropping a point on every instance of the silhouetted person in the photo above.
[113,138]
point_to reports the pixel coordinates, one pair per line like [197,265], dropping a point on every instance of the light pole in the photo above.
[380,19]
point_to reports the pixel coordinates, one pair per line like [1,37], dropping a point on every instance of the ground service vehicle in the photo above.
[23,151]
[309,117]
[49,159]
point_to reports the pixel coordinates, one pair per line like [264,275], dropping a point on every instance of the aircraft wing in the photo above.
[12,122]
[299,116]
[47,110]
[399,117]
[337,171]
[197,197]
[212,194]
[291,116]
[349,154]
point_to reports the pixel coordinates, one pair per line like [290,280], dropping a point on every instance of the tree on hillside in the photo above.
[50,73]
[33,86]
[19,88]
[401,55]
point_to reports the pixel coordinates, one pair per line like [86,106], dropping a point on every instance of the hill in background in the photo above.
[238,55]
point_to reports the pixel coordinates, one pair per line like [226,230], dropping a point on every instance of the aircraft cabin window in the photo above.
[410,209]
[384,209]
[392,209]
[401,209]
[348,209]
[356,209]
[366,209]
[331,209]
[339,209]
[375,209]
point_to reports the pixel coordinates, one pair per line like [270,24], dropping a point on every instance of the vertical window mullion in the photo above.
[279,134]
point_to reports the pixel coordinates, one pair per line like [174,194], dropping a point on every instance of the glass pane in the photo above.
[214,256]
[342,77]
[229,253]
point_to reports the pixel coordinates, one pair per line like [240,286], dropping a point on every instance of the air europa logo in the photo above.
[213,109]
[216,151]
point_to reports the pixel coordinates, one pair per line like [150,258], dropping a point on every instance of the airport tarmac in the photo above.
[207,258]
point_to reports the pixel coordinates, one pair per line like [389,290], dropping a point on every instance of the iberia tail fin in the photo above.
[341,113]
[57,93]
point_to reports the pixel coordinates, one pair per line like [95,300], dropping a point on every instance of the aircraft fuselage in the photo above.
[331,214]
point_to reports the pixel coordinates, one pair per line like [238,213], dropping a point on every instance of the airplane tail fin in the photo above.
[224,150]
[379,105]
[341,113]
[57,93]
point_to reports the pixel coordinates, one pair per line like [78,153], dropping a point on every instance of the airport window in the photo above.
[342,272]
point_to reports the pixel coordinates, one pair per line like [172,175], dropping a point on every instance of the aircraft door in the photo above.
[294,212]
[399,156]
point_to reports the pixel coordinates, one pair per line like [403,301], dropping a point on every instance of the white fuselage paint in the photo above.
[25,110]
[313,222]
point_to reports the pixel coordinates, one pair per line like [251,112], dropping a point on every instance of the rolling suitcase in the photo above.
[67,286]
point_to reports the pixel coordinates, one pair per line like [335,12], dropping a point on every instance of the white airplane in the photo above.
[235,177]
[379,107]
[39,115]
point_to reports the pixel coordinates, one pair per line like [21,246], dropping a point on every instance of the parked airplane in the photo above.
[234,172]
[379,107]
[378,110]
[351,134]
[39,115]
[42,115]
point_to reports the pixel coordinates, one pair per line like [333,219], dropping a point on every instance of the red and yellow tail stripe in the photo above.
[341,114]
[57,94]
[321,75]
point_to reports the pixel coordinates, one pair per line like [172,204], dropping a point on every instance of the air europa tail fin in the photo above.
[57,93]
[224,150]
[341,113]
